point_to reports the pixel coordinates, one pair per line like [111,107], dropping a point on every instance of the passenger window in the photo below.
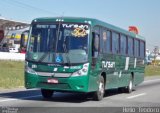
[104,42]
[130,46]
[108,41]
[123,44]
[136,48]
[96,46]
[142,49]
[115,43]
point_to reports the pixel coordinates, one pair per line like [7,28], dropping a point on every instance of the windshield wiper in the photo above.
[66,52]
[57,37]
[64,43]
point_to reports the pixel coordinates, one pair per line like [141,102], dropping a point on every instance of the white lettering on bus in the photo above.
[108,64]
[74,26]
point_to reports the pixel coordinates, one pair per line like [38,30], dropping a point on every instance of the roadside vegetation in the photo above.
[12,73]
[151,70]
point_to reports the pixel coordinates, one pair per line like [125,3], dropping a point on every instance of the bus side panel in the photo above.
[139,71]
[120,75]
[93,84]
[135,67]
[111,66]
[94,73]
[124,74]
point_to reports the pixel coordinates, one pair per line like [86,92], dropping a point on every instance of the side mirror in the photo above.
[93,37]
[95,41]
[22,41]
[95,44]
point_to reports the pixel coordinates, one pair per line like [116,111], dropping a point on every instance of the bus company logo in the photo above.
[79,32]
[108,64]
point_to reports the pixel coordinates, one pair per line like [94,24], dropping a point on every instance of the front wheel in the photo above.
[101,90]
[47,93]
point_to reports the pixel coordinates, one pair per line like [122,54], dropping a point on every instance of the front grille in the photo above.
[62,74]
[44,74]
[54,74]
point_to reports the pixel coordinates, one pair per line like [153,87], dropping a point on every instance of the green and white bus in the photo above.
[82,55]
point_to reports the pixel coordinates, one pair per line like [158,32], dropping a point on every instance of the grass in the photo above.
[11,74]
[151,70]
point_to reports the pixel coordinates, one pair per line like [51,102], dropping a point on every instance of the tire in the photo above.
[129,88]
[122,89]
[46,93]
[99,94]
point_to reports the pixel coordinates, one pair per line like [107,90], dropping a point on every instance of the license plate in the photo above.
[52,81]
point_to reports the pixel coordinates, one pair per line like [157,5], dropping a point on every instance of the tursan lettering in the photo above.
[108,64]
[74,26]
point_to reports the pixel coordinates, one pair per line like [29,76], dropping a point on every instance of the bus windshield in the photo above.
[58,43]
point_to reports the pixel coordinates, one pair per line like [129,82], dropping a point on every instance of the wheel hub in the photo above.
[101,88]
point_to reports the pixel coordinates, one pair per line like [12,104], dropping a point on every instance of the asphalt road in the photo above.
[145,95]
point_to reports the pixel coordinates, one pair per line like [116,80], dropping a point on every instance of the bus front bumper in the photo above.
[72,84]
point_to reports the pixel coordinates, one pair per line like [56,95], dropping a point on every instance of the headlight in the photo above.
[81,72]
[30,70]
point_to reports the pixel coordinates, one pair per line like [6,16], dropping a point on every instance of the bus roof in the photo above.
[93,22]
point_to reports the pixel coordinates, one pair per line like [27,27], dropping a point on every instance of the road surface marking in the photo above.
[7,100]
[11,99]
[134,96]
[151,80]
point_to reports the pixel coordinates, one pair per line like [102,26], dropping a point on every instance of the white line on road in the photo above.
[134,96]
[7,100]
[11,99]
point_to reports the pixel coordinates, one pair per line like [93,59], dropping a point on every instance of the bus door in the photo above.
[95,49]
[95,65]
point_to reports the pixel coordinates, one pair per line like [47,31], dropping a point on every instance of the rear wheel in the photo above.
[46,93]
[98,95]
[129,88]
[122,89]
